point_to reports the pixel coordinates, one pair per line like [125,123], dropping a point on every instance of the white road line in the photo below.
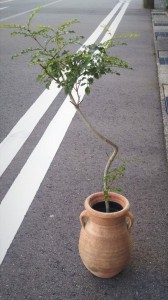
[113,27]
[105,22]
[27,11]
[1,2]
[2,8]
[18,199]
[22,192]
[21,131]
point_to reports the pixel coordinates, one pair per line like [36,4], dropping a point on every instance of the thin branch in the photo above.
[36,39]
[103,138]
[45,69]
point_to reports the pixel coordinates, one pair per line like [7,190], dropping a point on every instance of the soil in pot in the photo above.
[114,206]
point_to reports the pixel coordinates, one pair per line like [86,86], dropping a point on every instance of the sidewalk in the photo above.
[160,30]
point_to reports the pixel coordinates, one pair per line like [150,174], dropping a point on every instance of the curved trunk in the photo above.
[103,138]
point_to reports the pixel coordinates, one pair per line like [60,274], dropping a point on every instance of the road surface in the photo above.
[50,162]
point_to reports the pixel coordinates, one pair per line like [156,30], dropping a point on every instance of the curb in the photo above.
[160,32]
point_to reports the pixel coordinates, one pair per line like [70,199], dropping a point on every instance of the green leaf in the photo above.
[40,77]
[67,89]
[90,80]
[96,75]
[87,90]
[117,189]
[33,14]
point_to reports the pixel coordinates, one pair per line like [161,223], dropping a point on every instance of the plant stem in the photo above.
[98,134]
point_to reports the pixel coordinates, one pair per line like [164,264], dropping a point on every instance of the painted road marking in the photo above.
[21,131]
[1,2]
[2,8]
[27,11]
[114,25]
[23,190]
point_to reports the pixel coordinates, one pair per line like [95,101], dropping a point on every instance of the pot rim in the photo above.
[98,197]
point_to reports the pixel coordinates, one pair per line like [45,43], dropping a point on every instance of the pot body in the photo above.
[105,241]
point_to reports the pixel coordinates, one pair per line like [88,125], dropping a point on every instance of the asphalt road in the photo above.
[42,261]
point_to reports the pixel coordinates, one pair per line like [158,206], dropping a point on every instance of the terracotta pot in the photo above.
[105,242]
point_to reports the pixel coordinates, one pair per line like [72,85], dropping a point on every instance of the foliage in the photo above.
[71,70]
[51,53]
[111,178]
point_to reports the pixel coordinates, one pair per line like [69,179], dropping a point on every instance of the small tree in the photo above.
[72,71]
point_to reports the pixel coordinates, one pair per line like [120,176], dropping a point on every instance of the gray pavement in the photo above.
[42,261]
[160,31]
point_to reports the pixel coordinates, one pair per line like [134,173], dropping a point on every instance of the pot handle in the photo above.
[83,218]
[130,220]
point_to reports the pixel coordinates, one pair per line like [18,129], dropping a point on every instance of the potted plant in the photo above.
[104,243]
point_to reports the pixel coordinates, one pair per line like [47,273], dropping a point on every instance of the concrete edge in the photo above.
[161,84]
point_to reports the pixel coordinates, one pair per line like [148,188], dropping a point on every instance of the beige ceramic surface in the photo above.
[105,243]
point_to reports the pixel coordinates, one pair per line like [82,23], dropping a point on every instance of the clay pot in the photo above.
[105,243]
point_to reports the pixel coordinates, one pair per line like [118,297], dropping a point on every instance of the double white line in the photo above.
[5,1]
[23,190]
